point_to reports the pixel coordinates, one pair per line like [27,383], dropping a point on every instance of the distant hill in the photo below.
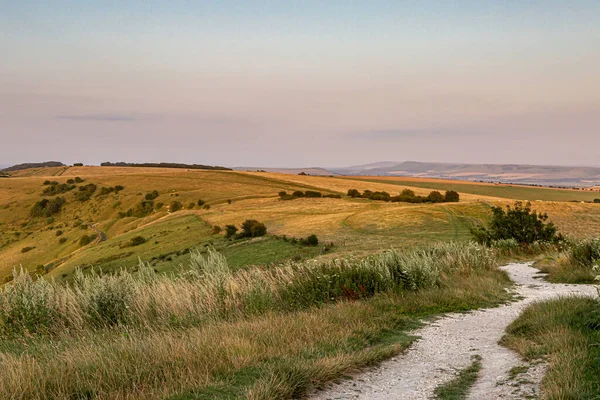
[164,165]
[316,171]
[546,175]
[23,166]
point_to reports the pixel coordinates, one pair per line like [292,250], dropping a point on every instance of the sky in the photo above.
[300,83]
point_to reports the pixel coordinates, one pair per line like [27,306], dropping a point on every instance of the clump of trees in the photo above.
[519,223]
[85,192]
[406,196]
[48,208]
[54,188]
[283,195]
[151,195]
[108,190]
[250,228]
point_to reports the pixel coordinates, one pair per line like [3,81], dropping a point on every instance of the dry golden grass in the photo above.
[356,225]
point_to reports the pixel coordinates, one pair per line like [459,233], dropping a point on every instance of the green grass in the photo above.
[458,388]
[566,333]
[503,191]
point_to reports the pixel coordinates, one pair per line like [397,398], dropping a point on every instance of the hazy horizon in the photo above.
[300,83]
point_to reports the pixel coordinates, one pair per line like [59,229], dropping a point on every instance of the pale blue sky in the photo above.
[299,83]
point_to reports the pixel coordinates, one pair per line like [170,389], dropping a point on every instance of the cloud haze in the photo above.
[300,83]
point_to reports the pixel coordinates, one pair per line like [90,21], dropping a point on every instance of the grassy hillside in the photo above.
[356,226]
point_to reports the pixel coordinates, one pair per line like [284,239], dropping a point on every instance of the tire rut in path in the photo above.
[447,345]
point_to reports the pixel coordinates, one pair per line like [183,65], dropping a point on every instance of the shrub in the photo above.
[229,201]
[311,240]
[142,209]
[191,205]
[252,228]
[47,208]
[407,193]
[216,230]
[298,193]
[59,232]
[596,200]
[206,207]
[78,164]
[135,241]
[451,196]
[159,205]
[435,197]
[85,240]
[230,231]
[69,181]
[175,206]
[62,240]
[519,223]
[119,188]
[78,180]
[152,195]
[585,253]
[27,249]
[201,203]
[311,193]
[55,189]
[353,193]
[85,192]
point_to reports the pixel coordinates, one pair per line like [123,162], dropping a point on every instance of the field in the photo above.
[268,318]
[356,226]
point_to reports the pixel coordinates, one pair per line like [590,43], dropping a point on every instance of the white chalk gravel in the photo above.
[446,346]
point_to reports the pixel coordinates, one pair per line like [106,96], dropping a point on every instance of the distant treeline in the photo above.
[164,165]
[20,167]
[407,196]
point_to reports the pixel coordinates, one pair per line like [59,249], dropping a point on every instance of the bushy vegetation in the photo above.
[48,208]
[175,206]
[27,249]
[134,241]
[252,228]
[309,193]
[54,188]
[151,195]
[108,190]
[520,223]
[406,196]
[86,239]
[230,231]
[85,192]
[93,300]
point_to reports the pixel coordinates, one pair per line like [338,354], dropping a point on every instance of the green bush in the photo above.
[201,203]
[252,228]
[142,209]
[191,205]
[311,240]
[451,196]
[159,205]
[312,193]
[85,240]
[435,197]
[585,253]
[206,207]
[47,208]
[519,223]
[78,180]
[152,195]
[59,232]
[56,189]
[353,193]
[62,240]
[298,193]
[175,206]
[85,192]
[27,249]
[216,230]
[135,241]
[230,231]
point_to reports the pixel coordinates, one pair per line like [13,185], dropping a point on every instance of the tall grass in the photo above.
[206,332]
[209,291]
[574,262]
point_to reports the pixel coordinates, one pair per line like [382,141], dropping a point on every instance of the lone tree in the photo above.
[519,223]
